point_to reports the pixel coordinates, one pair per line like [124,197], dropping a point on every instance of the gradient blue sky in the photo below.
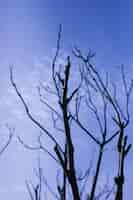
[28,33]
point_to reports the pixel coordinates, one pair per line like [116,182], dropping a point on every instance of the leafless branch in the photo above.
[40,147]
[11,131]
[37,123]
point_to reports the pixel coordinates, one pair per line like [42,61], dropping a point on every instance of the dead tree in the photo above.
[121,118]
[66,157]
[92,83]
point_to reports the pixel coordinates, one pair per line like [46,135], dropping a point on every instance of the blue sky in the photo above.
[28,33]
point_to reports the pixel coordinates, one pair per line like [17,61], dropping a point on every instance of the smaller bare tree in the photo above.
[121,116]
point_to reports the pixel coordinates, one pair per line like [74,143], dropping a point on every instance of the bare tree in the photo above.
[121,118]
[70,100]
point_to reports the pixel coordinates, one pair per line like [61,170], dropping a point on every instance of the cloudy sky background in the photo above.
[28,33]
